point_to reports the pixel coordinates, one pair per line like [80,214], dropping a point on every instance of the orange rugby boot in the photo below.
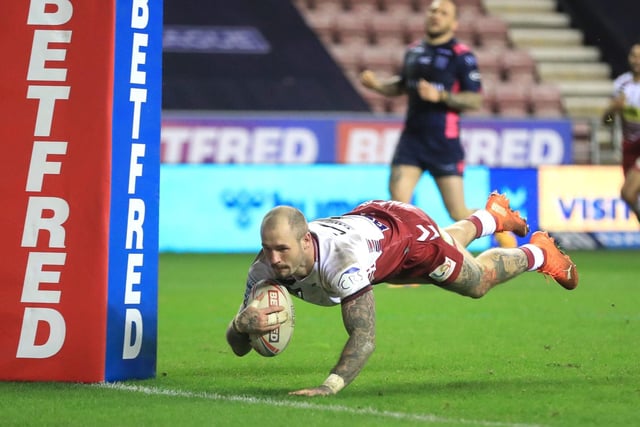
[556,263]
[506,219]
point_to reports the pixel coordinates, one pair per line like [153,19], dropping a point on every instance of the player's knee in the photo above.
[628,195]
[477,292]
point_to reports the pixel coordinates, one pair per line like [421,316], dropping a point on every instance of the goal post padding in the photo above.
[81,104]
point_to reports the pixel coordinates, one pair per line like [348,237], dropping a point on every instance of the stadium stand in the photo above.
[540,45]
[249,56]
[534,62]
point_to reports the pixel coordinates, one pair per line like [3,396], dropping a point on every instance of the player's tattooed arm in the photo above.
[359,317]
[462,101]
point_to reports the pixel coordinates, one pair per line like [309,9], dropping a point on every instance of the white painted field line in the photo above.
[425,418]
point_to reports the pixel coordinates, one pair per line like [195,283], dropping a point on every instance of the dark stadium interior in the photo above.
[611,25]
[297,74]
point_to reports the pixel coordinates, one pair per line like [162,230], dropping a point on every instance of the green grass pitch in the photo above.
[528,354]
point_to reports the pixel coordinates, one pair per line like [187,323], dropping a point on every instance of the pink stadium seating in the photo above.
[384,59]
[347,56]
[397,105]
[324,26]
[405,6]
[377,102]
[352,28]
[491,31]
[518,66]
[414,28]
[375,33]
[388,28]
[489,63]
[511,99]
[362,6]
[546,100]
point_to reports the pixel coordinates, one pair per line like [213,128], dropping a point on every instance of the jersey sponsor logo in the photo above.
[470,60]
[353,278]
[444,270]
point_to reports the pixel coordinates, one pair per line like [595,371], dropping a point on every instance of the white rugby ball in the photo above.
[268,293]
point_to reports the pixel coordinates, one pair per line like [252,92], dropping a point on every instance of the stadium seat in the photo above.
[488,95]
[404,6]
[414,28]
[397,105]
[362,6]
[491,31]
[470,4]
[546,100]
[512,99]
[347,56]
[322,7]
[383,59]
[377,102]
[549,112]
[489,63]
[323,24]
[353,28]
[387,28]
[518,66]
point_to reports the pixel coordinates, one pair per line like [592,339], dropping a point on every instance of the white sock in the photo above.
[487,220]
[538,256]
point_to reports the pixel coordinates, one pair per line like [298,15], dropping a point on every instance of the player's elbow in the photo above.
[370,347]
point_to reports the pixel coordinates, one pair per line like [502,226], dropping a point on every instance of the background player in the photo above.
[441,77]
[626,104]
[338,260]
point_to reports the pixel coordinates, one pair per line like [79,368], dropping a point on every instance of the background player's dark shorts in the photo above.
[437,157]
[630,155]
[413,249]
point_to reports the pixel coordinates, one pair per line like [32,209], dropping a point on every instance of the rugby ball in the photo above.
[268,293]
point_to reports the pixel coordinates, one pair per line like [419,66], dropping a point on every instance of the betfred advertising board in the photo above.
[320,138]
[80,184]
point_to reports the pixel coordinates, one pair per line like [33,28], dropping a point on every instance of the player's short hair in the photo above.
[294,218]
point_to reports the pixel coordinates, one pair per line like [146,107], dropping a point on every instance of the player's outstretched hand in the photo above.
[322,390]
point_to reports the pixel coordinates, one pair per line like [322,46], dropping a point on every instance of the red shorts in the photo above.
[630,155]
[414,249]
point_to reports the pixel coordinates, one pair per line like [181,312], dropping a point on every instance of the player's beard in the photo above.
[283,272]
[436,34]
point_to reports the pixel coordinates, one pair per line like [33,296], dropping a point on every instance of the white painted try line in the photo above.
[425,418]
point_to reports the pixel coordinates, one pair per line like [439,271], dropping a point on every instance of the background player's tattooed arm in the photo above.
[461,101]
[359,317]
